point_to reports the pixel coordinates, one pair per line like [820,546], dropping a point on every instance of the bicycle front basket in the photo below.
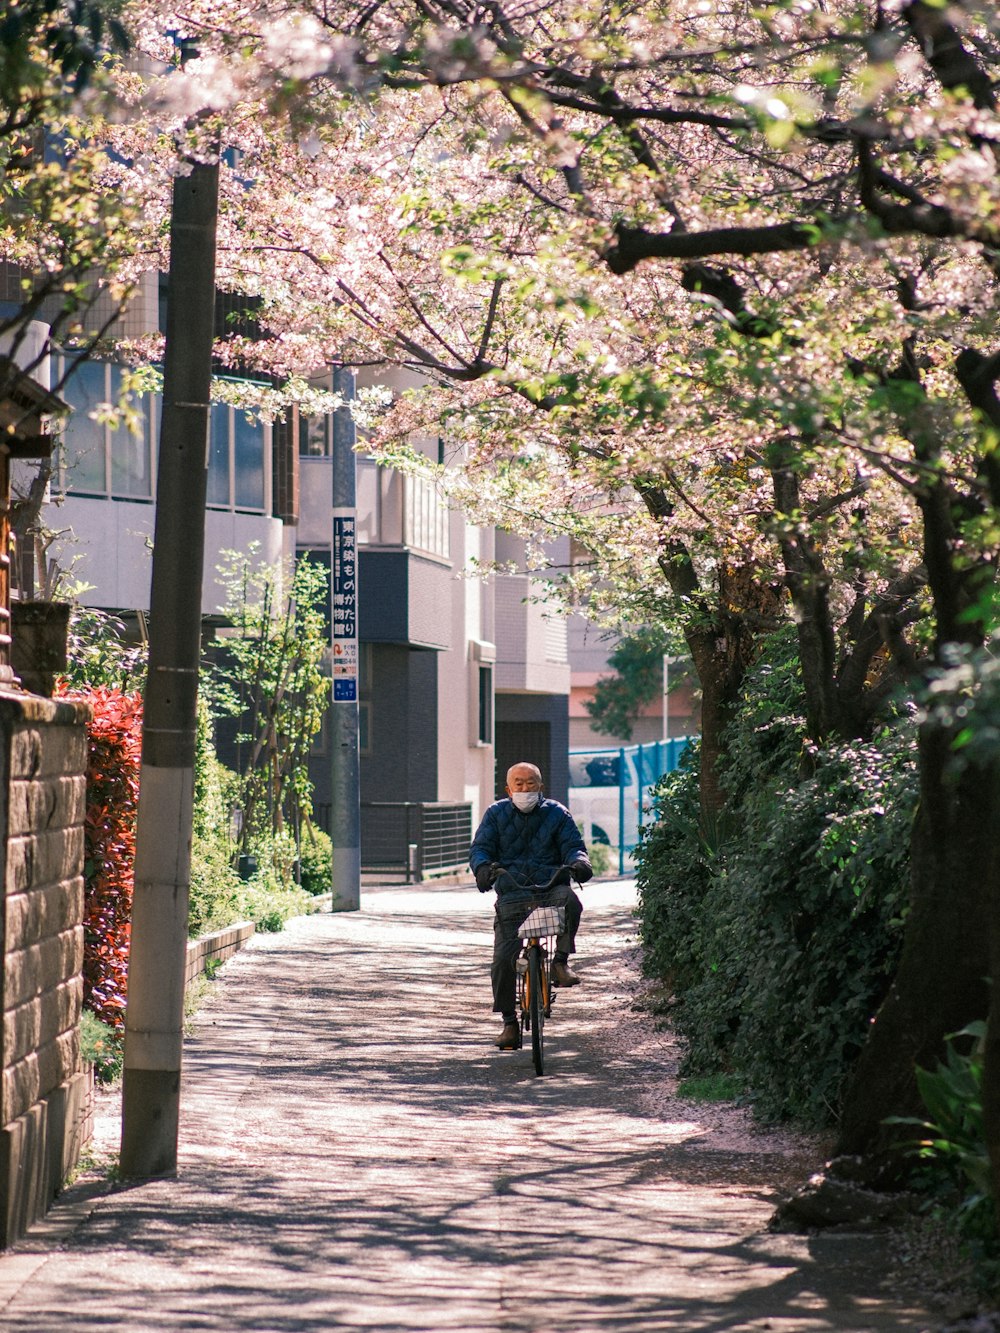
[543,921]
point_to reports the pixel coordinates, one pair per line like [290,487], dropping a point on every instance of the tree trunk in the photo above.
[720,668]
[941,984]
[721,642]
[809,586]
[991,1067]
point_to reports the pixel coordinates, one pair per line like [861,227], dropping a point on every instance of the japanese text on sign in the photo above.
[344,594]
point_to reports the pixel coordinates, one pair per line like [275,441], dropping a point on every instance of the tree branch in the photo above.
[941,43]
[634,244]
[882,626]
[978,374]
[624,114]
[898,219]
[491,315]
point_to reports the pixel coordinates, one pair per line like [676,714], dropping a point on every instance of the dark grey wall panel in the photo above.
[514,712]
[404,599]
[382,593]
[402,761]
[422,726]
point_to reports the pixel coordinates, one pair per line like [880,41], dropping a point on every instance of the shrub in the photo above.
[218,895]
[114,739]
[952,1142]
[269,907]
[101,1046]
[216,889]
[99,653]
[602,858]
[779,930]
[316,861]
[808,918]
[673,873]
[271,896]
[952,1163]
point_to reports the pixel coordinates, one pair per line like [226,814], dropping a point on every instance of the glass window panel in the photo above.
[84,438]
[486,705]
[313,436]
[131,465]
[218,457]
[249,462]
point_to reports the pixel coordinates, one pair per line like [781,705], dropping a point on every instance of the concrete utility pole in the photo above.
[345,819]
[158,950]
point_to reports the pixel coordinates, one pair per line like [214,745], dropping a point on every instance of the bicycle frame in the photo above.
[535,996]
[524,975]
[539,925]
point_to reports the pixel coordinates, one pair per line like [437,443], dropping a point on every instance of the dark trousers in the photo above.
[506,947]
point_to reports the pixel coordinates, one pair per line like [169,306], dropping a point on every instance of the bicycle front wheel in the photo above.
[536,1007]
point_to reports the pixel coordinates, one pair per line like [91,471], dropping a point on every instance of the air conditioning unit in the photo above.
[482,652]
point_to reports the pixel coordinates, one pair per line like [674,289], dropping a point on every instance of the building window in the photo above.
[314,436]
[237,454]
[108,440]
[486,705]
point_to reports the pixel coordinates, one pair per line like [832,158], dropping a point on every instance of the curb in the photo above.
[219,945]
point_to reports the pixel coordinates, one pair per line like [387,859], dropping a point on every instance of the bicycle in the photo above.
[539,924]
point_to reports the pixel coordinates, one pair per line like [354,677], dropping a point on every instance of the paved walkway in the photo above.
[356,1156]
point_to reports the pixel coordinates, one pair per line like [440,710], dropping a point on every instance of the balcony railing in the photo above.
[395,509]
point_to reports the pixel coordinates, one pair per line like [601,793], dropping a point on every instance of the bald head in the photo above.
[524,777]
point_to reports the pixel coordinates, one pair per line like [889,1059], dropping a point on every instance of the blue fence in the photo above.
[610,789]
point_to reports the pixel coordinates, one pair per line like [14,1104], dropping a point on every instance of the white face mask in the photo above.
[525,800]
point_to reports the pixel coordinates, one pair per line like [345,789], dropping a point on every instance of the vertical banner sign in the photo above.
[345,607]
[345,815]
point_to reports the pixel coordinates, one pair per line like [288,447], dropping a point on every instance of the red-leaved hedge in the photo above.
[114,744]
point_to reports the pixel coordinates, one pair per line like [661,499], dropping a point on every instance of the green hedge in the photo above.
[778,932]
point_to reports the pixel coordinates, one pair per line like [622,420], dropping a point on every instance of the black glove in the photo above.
[581,871]
[485,875]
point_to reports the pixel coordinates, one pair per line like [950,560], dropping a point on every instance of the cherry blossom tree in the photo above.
[825,183]
[62,231]
[712,290]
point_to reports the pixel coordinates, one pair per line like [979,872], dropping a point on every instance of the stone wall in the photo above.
[44,1094]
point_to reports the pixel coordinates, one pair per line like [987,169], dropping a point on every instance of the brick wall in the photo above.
[44,1093]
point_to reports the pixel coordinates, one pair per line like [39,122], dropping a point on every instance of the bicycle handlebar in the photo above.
[557,879]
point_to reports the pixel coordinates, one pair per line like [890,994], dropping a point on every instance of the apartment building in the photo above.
[458,676]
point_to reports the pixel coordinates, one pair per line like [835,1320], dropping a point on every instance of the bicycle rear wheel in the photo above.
[536,1007]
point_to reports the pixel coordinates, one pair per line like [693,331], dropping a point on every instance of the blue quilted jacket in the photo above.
[532,846]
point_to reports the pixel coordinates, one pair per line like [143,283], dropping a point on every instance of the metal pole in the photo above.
[621,811]
[666,697]
[345,818]
[158,948]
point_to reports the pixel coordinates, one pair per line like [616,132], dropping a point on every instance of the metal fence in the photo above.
[415,838]
[609,791]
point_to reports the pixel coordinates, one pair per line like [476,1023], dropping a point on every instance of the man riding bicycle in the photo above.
[530,837]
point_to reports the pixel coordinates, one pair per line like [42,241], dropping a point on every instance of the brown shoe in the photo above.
[510,1038]
[562,976]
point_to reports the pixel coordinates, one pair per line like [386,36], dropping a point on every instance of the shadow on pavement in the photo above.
[356,1156]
